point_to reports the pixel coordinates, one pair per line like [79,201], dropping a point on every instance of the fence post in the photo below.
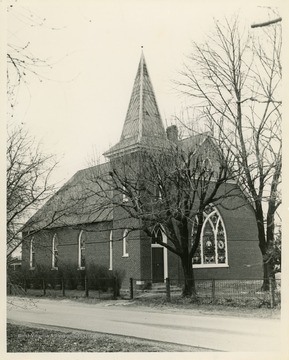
[272,294]
[213,289]
[86,286]
[43,287]
[131,288]
[168,289]
[114,288]
[63,286]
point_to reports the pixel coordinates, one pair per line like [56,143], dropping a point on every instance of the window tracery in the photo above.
[212,249]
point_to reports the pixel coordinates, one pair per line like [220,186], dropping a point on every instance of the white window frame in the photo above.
[54,249]
[32,254]
[80,249]
[110,250]
[124,244]
[207,219]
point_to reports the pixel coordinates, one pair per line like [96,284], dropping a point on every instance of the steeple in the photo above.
[143,125]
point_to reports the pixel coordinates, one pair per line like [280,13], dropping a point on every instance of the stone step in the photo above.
[161,287]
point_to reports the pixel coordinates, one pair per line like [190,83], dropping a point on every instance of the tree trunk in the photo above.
[268,263]
[267,273]
[189,289]
[265,285]
[263,245]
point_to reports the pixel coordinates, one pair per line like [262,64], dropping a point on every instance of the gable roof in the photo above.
[82,200]
[191,143]
[143,125]
[79,201]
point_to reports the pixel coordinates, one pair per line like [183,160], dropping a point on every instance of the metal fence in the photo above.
[234,292]
[227,292]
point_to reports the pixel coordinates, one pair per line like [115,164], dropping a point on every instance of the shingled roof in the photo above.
[85,198]
[81,200]
[143,126]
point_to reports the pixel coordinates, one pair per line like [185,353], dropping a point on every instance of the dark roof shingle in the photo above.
[83,199]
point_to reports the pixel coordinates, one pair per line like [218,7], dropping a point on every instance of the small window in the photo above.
[110,250]
[32,254]
[81,250]
[55,252]
[124,243]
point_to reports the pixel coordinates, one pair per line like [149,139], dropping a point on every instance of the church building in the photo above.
[77,230]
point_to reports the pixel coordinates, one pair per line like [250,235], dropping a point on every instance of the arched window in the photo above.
[207,164]
[32,254]
[159,190]
[81,250]
[157,237]
[55,252]
[110,250]
[124,243]
[212,249]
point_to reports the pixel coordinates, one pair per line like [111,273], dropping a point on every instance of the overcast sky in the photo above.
[79,107]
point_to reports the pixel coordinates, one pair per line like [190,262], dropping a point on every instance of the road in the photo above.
[213,332]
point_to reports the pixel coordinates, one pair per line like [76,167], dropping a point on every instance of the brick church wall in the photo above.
[96,246]
[128,265]
[146,257]
[244,257]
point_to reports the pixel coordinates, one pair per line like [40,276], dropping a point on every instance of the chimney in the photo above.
[172,133]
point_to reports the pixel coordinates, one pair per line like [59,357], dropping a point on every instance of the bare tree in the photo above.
[22,63]
[234,78]
[28,169]
[28,172]
[168,190]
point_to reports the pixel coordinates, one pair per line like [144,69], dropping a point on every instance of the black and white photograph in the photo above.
[143,179]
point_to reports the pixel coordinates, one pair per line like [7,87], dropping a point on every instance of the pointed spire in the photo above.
[143,121]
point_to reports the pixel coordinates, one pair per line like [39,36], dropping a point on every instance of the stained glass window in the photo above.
[212,249]
[208,240]
[197,258]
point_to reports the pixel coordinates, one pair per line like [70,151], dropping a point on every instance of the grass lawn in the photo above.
[22,338]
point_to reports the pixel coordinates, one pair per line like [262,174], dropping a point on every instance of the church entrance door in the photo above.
[157,264]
